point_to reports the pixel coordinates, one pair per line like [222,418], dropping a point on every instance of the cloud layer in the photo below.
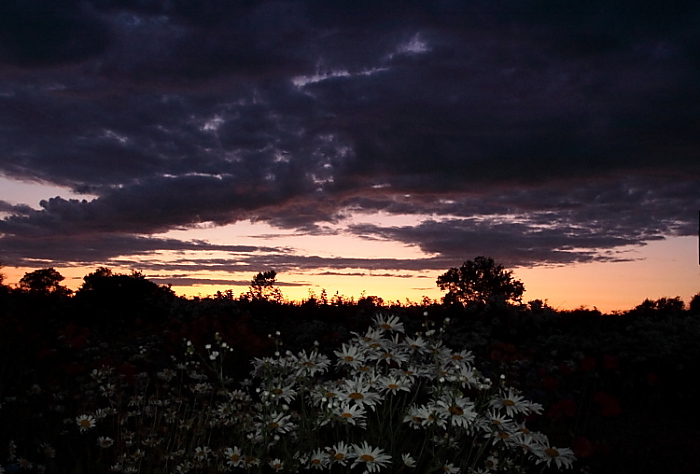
[534,132]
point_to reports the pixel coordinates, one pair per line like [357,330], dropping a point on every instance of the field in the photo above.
[240,385]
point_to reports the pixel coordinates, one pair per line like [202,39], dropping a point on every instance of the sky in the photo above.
[362,147]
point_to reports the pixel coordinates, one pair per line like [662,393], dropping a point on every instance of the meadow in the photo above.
[151,382]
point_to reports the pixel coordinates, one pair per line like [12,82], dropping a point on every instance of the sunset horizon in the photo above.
[354,147]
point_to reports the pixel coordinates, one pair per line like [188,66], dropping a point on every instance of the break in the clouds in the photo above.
[537,132]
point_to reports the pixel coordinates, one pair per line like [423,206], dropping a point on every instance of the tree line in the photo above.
[480,284]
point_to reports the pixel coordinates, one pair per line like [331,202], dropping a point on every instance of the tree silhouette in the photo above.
[694,306]
[262,287]
[45,281]
[122,297]
[480,281]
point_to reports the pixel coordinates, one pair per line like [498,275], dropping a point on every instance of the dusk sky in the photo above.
[354,145]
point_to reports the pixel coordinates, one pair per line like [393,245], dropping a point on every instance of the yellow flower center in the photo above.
[234,457]
[392,386]
[339,456]
[346,415]
[455,410]
[348,358]
[277,391]
[366,458]
[551,452]
[315,462]
[508,403]
[385,326]
[85,423]
[356,396]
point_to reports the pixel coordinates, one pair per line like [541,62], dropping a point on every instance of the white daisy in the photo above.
[85,422]
[372,459]
[340,453]
[561,457]
[388,323]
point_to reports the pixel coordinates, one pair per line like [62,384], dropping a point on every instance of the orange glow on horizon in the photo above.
[665,269]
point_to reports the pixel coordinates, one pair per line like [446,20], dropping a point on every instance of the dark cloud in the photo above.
[535,131]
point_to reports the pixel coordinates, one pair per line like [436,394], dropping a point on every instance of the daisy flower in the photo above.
[233,456]
[105,442]
[372,459]
[460,411]
[340,453]
[450,468]
[358,392]
[352,414]
[280,423]
[352,356]
[276,464]
[311,364]
[511,402]
[388,323]
[415,344]
[85,422]
[393,384]
[318,459]
[561,457]
[408,460]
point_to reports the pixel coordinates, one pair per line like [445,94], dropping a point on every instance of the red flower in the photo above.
[610,362]
[587,364]
[550,383]
[609,405]
[582,447]
[74,368]
[651,378]
[128,371]
[564,408]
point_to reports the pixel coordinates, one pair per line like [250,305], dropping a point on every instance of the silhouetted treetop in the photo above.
[262,287]
[45,281]
[480,281]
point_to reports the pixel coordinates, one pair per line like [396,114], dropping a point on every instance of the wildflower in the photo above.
[511,402]
[276,464]
[496,421]
[372,458]
[280,423]
[311,364]
[85,422]
[105,442]
[415,344]
[408,460]
[388,323]
[351,356]
[418,417]
[233,456]
[462,357]
[319,459]
[283,393]
[561,457]
[340,453]
[166,374]
[352,414]
[460,411]
[393,384]
[24,463]
[202,453]
[357,391]
[388,355]
[48,450]
[450,468]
